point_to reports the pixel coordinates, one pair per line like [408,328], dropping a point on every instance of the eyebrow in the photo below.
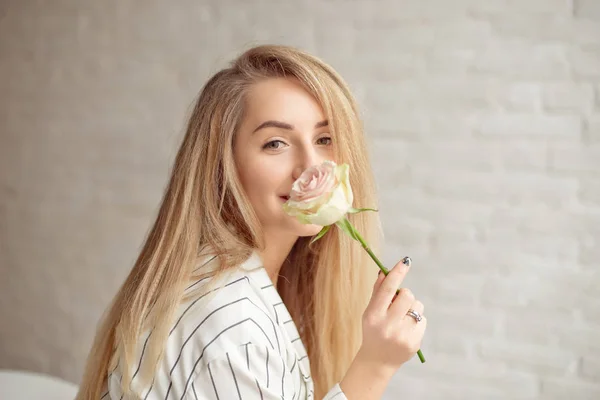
[284,125]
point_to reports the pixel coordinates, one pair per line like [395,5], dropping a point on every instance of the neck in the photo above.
[278,246]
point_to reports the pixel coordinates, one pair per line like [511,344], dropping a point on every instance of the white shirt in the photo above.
[242,344]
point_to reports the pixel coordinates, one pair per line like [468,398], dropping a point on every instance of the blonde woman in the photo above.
[227,300]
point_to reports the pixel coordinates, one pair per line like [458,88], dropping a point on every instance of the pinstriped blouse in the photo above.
[243,344]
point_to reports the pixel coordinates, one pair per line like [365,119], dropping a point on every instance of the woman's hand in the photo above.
[390,336]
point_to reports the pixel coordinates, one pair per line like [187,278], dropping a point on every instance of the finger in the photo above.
[394,298]
[420,329]
[403,302]
[388,287]
[418,307]
[377,284]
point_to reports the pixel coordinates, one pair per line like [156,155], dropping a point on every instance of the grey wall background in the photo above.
[484,119]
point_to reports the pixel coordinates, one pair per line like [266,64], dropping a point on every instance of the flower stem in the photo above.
[379,264]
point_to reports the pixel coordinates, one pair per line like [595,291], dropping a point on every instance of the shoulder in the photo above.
[227,318]
[227,323]
[231,314]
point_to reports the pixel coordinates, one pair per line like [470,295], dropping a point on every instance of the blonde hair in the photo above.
[327,285]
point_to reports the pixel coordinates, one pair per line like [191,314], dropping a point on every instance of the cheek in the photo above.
[328,153]
[259,181]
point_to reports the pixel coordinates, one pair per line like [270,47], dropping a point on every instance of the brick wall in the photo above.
[484,119]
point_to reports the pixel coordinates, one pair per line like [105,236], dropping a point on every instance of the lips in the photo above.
[285,198]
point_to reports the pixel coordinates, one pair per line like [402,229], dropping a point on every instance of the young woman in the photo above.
[227,300]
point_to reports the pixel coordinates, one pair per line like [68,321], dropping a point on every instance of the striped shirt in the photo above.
[241,344]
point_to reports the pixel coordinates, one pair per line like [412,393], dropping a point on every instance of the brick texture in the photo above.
[484,126]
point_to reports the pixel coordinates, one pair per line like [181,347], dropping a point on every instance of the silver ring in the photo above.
[415,315]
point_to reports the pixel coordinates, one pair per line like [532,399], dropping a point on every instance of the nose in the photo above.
[308,158]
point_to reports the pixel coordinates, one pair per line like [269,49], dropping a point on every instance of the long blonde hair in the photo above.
[327,285]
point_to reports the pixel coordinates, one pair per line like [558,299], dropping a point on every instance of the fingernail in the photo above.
[379,273]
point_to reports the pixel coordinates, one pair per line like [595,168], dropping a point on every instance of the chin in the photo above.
[298,228]
[308,230]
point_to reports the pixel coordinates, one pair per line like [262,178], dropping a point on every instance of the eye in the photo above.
[327,138]
[270,147]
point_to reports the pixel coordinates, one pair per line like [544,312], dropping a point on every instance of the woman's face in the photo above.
[283,133]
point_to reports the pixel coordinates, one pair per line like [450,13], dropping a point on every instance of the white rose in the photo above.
[321,195]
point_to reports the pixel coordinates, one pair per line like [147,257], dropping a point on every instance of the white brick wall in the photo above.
[484,119]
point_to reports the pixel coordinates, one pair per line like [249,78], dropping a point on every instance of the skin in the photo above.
[270,156]
[390,337]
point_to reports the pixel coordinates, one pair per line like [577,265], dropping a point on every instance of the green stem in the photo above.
[379,264]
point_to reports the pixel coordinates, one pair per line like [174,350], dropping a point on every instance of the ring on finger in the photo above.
[415,315]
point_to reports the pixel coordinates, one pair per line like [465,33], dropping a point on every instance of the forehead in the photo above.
[283,99]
